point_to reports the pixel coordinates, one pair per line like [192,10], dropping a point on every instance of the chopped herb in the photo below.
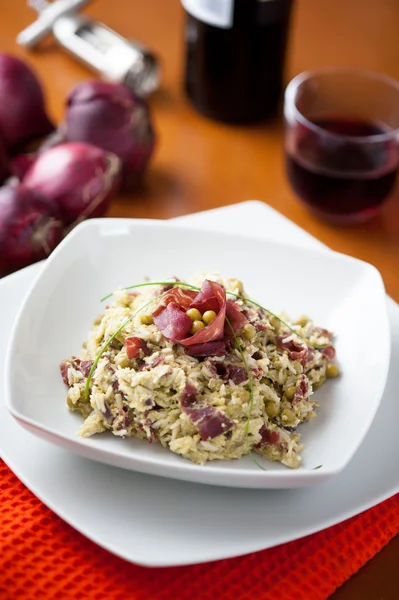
[251,401]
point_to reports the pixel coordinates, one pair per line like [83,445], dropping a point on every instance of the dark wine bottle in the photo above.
[235,54]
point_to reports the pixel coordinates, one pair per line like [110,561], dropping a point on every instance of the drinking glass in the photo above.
[341,141]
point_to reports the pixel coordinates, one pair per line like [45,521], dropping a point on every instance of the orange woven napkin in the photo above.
[43,558]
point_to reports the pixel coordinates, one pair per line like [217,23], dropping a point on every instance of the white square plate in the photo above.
[339,292]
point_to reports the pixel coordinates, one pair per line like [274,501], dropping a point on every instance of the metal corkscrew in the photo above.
[111,55]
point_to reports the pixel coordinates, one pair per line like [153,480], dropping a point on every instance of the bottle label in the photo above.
[218,13]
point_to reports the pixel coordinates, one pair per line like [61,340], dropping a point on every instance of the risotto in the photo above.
[203,370]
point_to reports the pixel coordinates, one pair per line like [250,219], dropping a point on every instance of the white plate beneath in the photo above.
[339,292]
[174,523]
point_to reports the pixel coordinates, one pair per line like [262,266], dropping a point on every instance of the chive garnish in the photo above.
[193,287]
[146,284]
[251,400]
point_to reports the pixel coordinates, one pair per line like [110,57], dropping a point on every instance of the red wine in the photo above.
[235,57]
[345,176]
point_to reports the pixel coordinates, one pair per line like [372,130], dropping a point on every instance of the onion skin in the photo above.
[22,108]
[20,164]
[111,117]
[78,178]
[4,171]
[29,228]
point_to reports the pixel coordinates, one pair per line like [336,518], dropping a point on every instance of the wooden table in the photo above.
[200,164]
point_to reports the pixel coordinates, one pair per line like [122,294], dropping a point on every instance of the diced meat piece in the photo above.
[189,396]
[64,366]
[172,322]
[302,390]
[228,372]
[107,412]
[221,371]
[254,315]
[209,421]
[124,420]
[237,374]
[147,428]
[83,366]
[296,351]
[135,346]
[126,423]
[322,332]
[268,437]
[217,369]
[309,356]
[328,352]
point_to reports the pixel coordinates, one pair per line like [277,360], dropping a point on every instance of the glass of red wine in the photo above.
[342,141]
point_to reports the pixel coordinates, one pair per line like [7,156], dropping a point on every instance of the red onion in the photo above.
[108,115]
[22,110]
[78,178]
[29,228]
[3,162]
[20,164]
